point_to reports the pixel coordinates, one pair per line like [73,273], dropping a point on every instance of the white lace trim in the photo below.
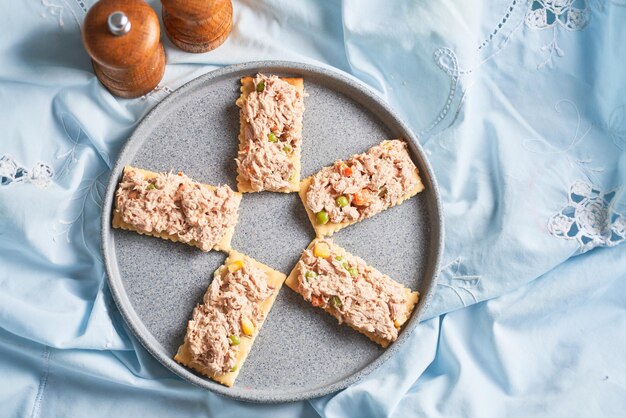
[11,172]
[589,218]
[572,15]
[500,25]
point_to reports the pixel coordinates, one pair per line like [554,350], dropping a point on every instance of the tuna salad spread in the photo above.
[271,133]
[231,311]
[353,292]
[176,205]
[363,185]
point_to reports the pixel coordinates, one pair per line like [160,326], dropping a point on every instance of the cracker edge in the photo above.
[243,185]
[224,244]
[329,229]
[276,279]
[412,296]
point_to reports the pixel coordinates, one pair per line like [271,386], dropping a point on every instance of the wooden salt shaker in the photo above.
[122,38]
[197,25]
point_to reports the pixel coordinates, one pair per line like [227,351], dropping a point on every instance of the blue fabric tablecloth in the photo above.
[521,107]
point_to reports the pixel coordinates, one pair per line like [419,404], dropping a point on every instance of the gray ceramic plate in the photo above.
[301,352]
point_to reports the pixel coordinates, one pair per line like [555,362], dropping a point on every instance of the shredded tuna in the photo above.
[355,293]
[231,298]
[370,183]
[276,110]
[176,205]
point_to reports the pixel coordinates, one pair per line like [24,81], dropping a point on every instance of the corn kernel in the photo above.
[235,266]
[247,326]
[397,323]
[322,250]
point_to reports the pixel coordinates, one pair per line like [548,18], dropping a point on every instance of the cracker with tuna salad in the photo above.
[174,207]
[270,138]
[360,187]
[356,294]
[223,328]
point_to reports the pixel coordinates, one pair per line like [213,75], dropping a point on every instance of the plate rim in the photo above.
[134,322]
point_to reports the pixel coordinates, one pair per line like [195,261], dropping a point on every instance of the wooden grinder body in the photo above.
[197,25]
[129,64]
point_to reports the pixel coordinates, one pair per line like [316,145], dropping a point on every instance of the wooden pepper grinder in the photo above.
[197,25]
[122,38]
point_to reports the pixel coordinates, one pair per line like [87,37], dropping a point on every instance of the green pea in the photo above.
[353,271]
[322,217]
[345,265]
[234,340]
[234,369]
[151,186]
[272,137]
[339,258]
[310,275]
[260,86]
[342,201]
[288,149]
[336,302]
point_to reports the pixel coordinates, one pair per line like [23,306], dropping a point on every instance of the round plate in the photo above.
[301,352]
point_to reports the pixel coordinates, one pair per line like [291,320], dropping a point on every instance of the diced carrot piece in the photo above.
[317,301]
[345,170]
[359,199]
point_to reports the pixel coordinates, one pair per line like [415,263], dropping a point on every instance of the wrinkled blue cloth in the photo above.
[521,107]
